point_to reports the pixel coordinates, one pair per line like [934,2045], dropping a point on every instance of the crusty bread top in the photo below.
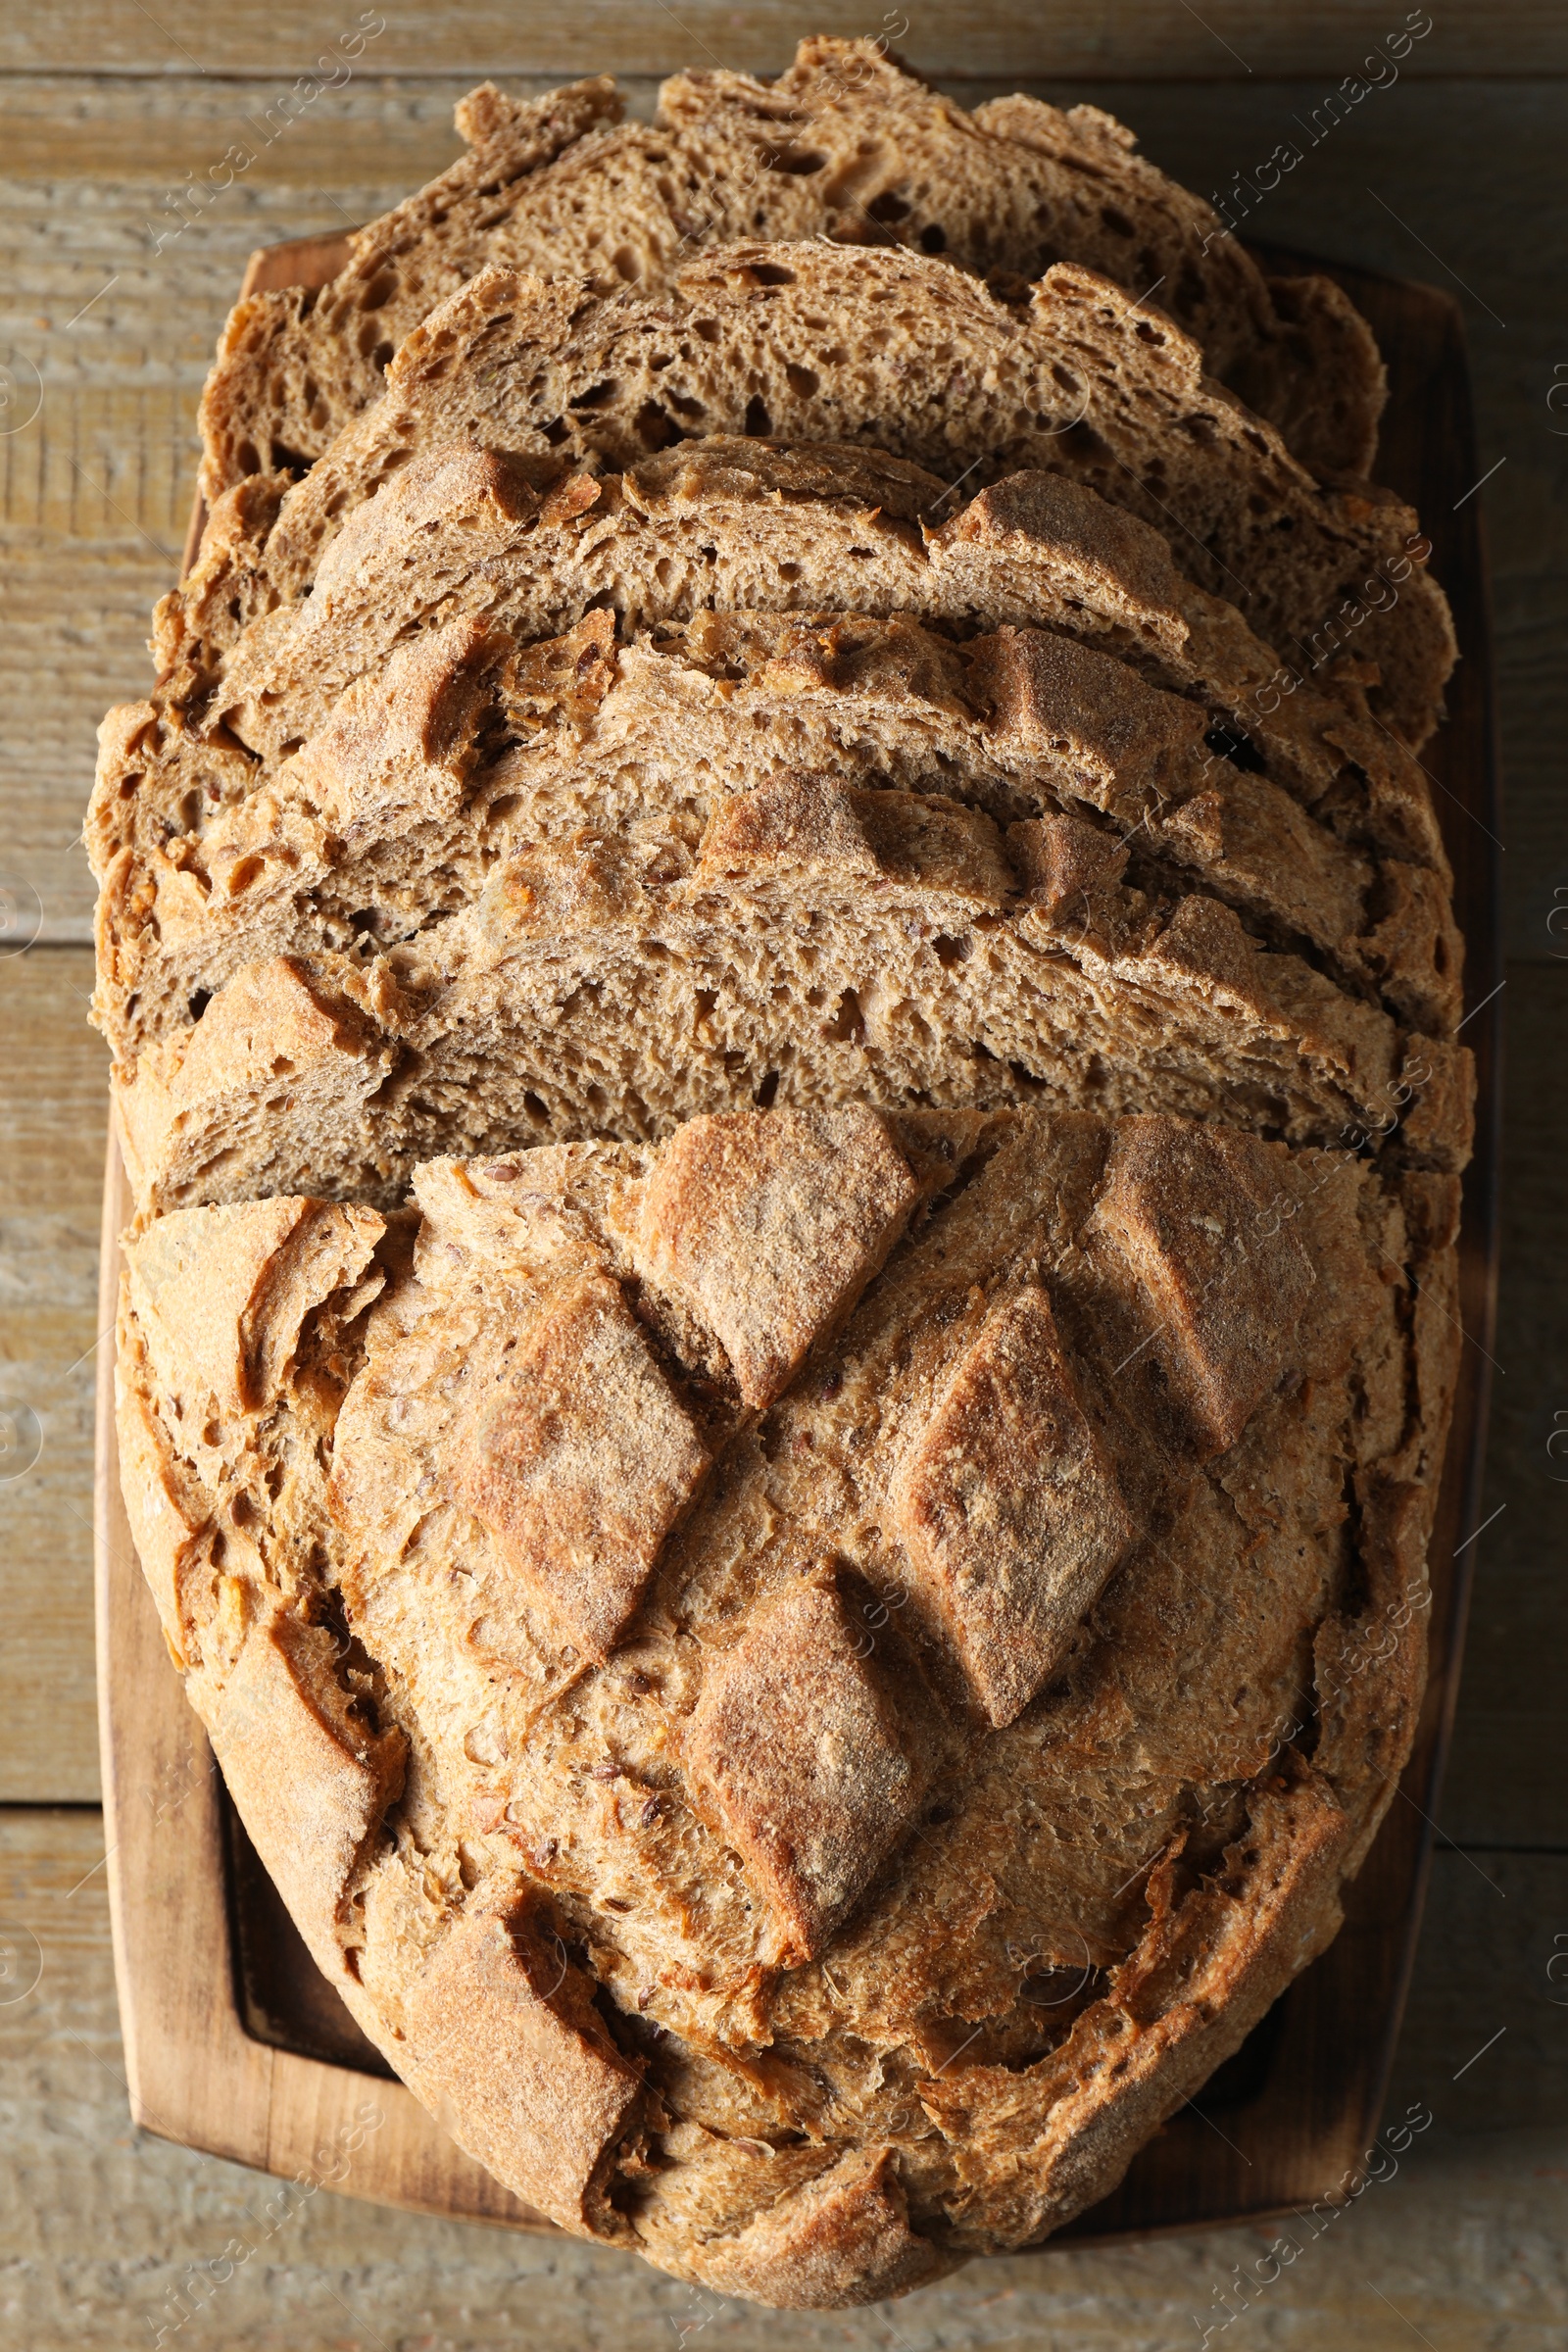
[713,1917]
[843,144]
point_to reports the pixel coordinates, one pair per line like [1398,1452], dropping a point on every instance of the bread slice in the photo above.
[842,145]
[735,856]
[458,534]
[293,365]
[814,343]
[737,524]
[628,1595]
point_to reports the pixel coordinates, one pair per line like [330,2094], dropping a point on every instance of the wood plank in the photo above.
[1229,39]
[94,491]
[107,2233]
[1493,1931]
[50,1134]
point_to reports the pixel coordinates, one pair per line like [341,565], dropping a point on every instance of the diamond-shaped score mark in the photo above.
[584,1462]
[771,1224]
[796,1747]
[1009,1506]
[1199,1219]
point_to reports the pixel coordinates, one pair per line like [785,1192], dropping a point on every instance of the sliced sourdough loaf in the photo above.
[814,343]
[585,1581]
[844,145]
[573,888]
[784,1012]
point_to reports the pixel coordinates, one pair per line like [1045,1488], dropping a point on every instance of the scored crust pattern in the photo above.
[796,1127]
[943,1690]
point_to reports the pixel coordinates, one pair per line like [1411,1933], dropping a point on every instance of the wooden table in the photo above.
[108,310]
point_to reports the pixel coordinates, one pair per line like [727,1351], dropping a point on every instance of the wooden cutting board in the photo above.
[236,2045]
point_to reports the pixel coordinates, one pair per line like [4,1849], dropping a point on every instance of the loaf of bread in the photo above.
[784,1005]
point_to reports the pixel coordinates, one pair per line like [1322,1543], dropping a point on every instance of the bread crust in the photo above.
[668,1927]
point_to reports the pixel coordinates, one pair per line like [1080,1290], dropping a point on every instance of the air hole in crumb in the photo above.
[847,1025]
[1232,745]
[758,424]
[655,427]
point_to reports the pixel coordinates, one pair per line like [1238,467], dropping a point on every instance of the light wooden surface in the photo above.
[1229,39]
[52,1119]
[101,117]
[108,2233]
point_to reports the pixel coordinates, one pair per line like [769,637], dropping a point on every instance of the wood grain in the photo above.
[1505,1776]
[1229,39]
[54,1113]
